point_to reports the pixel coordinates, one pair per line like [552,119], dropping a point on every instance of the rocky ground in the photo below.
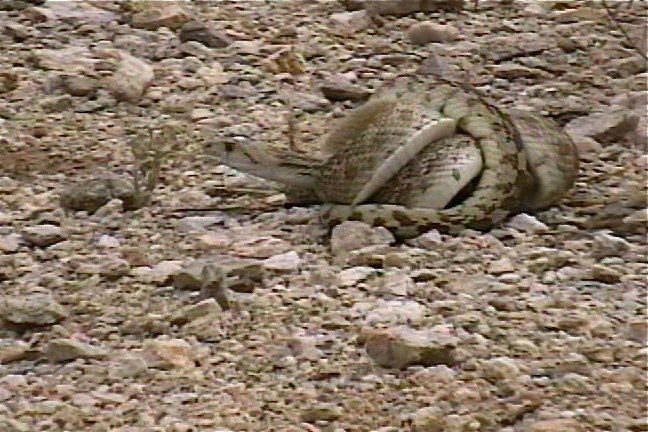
[109,322]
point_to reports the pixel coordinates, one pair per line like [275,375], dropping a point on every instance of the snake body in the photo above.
[423,153]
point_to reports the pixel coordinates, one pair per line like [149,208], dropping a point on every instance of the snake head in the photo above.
[269,162]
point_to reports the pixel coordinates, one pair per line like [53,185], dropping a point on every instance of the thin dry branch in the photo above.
[149,148]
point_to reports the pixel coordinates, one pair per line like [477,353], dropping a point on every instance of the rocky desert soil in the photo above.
[110,322]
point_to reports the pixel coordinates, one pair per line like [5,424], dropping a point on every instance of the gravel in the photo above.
[105,322]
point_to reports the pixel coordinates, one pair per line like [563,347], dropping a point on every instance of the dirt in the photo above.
[543,319]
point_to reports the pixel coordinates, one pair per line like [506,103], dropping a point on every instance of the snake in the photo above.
[422,153]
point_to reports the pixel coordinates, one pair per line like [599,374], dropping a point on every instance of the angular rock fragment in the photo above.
[90,195]
[400,347]
[61,350]
[33,310]
[43,235]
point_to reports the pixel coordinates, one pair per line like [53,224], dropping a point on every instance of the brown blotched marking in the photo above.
[332,222]
[380,221]
[356,215]
[422,229]
[402,217]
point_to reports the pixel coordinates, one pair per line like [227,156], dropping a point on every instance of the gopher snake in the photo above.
[423,153]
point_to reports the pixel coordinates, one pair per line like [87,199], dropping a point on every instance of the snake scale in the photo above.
[422,153]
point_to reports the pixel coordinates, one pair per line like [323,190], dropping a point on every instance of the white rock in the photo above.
[289,261]
[163,271]
[353,275]
[200,114]
[196,311]
[350,22]
[216,240]
[75,12]
[527,223]
[14,380]
[502,265]
[107,241]
[65,59]
[213,75]
[640,216]
[352,235]
[606,245]
[430,240]
[396,312]
[198,223]
[10,243]
[642,161]
[397,283]
[131,79]
[500,368]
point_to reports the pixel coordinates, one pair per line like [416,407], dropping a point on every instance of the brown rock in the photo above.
[203,33]
[605,274]
[626,67]
[399,347]
[8,81]
[580,14]
[33,310]
[606,128]
[91,195]
[425,32]
[61,350]
[512,71]
[428,419]
[168,354]
[43,235]
[17,5]
[339,88]
[637,331]
[242,275]
[11,351]
[193,312]
[321,412]
[18,32]
[501,49]
[152,15]
[52,104]
[79,85]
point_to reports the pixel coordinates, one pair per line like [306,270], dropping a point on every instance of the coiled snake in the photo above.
[423,153]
